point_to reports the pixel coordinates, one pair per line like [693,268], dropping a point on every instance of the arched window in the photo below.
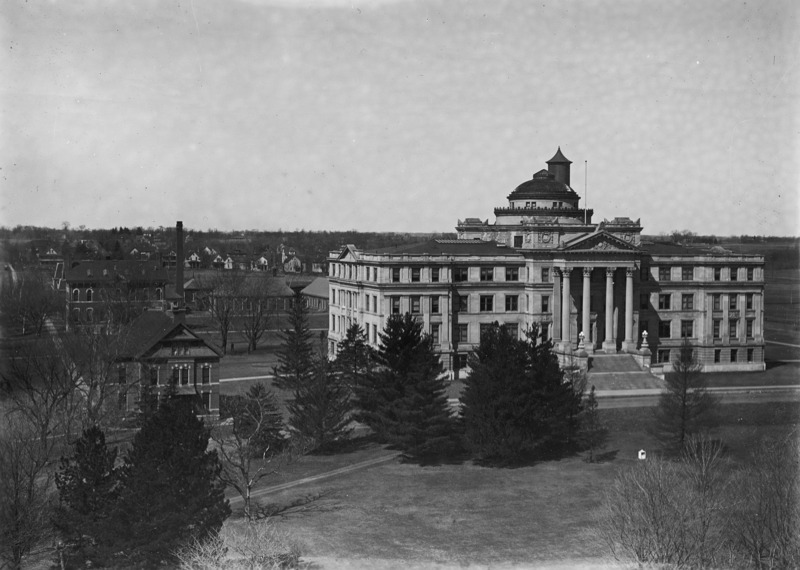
[76,315]
[158,294]
[76,295]
[89,294]
[89,315]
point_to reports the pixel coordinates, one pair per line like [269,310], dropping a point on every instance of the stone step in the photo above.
[613,363]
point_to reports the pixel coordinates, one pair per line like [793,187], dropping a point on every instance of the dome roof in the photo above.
[542,186]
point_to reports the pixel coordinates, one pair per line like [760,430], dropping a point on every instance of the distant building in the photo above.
[589,287]
[95,288]
[316,294]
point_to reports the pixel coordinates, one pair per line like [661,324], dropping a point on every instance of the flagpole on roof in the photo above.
[585,190]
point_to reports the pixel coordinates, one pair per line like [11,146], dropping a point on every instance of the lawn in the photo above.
[407,515]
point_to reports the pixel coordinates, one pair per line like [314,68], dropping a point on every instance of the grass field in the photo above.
[399,515]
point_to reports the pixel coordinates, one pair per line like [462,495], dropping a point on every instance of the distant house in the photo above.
[261,264]
[161,350]
[50,257]
[93,288]
[292,265]
[316,295]
[193,261]
[169,259]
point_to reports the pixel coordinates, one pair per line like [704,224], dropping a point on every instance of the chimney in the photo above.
[180,312]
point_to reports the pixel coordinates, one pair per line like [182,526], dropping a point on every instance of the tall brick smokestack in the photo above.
[180,313]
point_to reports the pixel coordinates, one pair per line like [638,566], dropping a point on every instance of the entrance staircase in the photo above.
[619,372]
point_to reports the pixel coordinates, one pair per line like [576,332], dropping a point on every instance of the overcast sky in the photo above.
[399,115]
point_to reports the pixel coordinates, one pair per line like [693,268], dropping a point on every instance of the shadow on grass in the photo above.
[605,457]
[770,364]
[348,445]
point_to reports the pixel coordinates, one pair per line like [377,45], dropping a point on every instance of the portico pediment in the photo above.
[601,241]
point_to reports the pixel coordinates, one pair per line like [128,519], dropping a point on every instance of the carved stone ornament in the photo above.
[602,245]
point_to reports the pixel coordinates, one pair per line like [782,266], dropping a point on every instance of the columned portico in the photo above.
[586,306]
[609,342]
[629,344]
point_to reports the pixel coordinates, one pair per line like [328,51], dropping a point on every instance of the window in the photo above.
[395,305]
[517,241]
[734,355]
[207,401]
[545,303]
[184,376]
[687,329]
[717,355]
[716,302]
[733,328]
[434,275]
[750,273]
[663,273]
[717,274]
[545,331]
[461,361]
[749,355]
[487,274]
[206,374]
[513,329]
[749,328]
[89,315]
[375,333]
[687,301]
[487,303]
[664,301]
[374,303]
[395,275]
[416,304]
[76,295]
[158,294]
[664,329]
[463,331]
[435,305]
[333,296]
[545,274]
[687,273]
[644,301]
[734,273]
[484,328]
[415,274]
[460,274]
[662,356]
[153,373]
[122,377]
[555,205]
[748,301]
[89,294]
[717,327]
[512,274]
[435,327]
[512,303]
[733,302]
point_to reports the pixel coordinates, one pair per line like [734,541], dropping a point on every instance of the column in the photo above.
[629,344]
[565,306]
[555,306]
[609,343]
[587,301]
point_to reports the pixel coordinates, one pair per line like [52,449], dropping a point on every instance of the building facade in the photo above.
[589,287]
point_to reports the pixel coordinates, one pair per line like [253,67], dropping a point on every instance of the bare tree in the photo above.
[669,512]
[29,301]
[255,313]
[225,301]
[24,487]
[251,445]
[765,527]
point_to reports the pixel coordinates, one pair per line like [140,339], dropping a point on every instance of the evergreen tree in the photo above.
[257,418]
[595,433]
[88,484]
[295,355]
[515,403]
[319,413]
[403,399]
[170,492]
[355,357]
[685,405]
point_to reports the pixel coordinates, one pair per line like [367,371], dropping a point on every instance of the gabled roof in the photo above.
[599,240]
[317,288]
[151,328]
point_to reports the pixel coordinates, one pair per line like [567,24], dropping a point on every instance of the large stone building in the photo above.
[590,287]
